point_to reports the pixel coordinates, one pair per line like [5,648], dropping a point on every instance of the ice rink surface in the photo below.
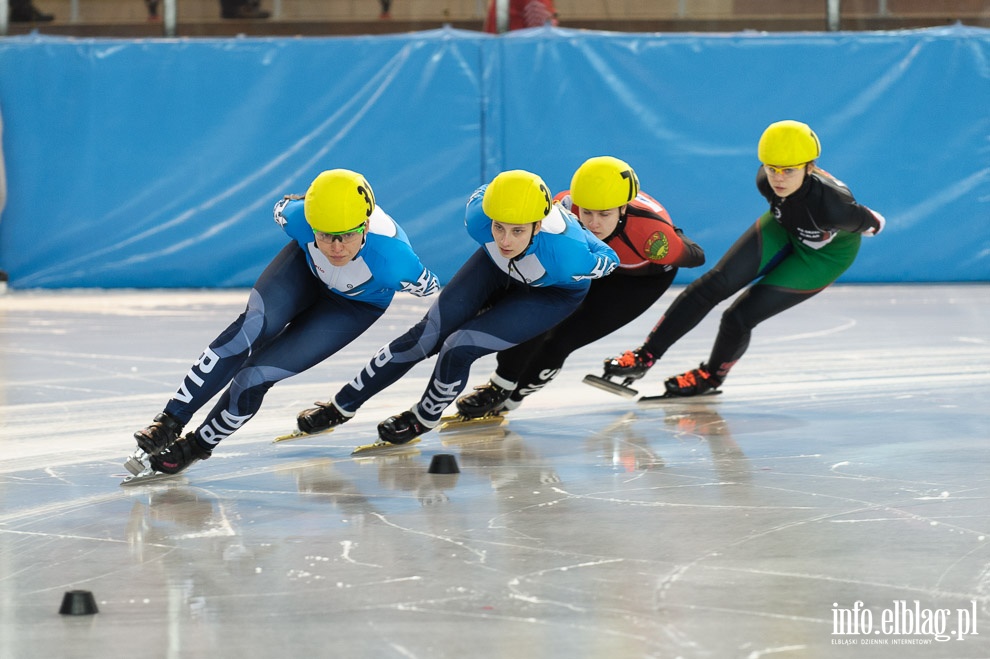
[833,502]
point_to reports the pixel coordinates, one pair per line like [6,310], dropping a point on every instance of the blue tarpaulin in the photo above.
[155,163]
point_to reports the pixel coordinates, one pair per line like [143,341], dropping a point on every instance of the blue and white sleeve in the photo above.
[598,261]
[409,272]
[289,214]
[479,225]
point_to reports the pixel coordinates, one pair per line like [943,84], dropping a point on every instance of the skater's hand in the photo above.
[881,223]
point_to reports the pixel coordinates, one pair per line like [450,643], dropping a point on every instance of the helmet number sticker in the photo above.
[369,197]
[546,198]
[633,183]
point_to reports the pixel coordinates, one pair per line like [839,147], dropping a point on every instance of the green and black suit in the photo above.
[795,250]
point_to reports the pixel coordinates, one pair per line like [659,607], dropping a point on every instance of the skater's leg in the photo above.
[756,249]
[612,302]
[749,309]
[283,290]
[330,324]
[521,370]
[799,277]
[285,287]
[514,319]
[511,363]
[492,395]
[460,300]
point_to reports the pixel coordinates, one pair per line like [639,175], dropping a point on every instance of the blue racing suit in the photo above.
[490,304]
[300,311]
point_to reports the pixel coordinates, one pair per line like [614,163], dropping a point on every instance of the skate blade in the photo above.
[668,398]
[474,436]
[299,434]
[383,447]
[149,475]
[461,423]
[611,387]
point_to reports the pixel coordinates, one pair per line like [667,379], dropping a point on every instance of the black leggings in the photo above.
[789,273]
[612,302]
[478,312]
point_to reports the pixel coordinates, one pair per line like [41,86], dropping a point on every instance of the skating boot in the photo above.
[179,456]
[628,367]
[395,432]
[696,382]
[401,428]
[485,407]
[164,430]
[486,399]
[320,418]
[176,458]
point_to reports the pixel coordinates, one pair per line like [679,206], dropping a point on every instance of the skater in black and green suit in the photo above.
[809,237]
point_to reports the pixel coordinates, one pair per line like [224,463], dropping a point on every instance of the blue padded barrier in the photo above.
[155,163]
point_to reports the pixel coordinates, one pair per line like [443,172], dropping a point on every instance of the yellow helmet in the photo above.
[788,143]
[338,200]
[604,182]
[517,197]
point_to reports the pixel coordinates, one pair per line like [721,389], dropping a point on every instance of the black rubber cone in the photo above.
[78,603]
[444,463]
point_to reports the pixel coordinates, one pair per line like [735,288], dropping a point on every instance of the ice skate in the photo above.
[144,477]
[320,418]
[176,458]
[299,434]
[475,436]
[401,428]
[381,446]
[626,368]
[695,383]
[398,430]
[164,430]
[461,423]
[668,398]
[158,436]
[486,399]
[485,408]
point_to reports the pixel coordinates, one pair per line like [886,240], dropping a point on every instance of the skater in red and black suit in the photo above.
[809,236]
[606,198]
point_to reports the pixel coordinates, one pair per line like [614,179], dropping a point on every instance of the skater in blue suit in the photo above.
[330,283]
[533,268]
